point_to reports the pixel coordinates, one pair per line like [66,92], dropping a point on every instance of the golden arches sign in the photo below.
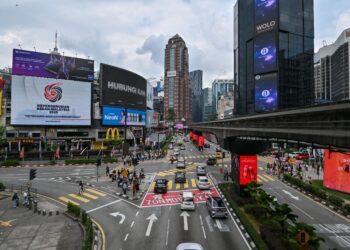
[113,134]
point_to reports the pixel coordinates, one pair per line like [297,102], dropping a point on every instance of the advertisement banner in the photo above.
[116,116]
[265,15]
[31,63]
[122,87]
[266,92]
[195,137]
[44,101]
[265,53]
[337,171]
[201,141]
[248,169]
[191,135]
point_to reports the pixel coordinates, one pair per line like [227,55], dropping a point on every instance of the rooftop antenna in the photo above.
[324,42]
[34,48]
[19,45]
[55,49]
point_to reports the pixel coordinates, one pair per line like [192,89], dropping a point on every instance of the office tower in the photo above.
[196,78]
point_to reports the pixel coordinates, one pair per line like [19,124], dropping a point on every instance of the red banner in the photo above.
[173,198]
[191,134]
[201,141]
[248,169]
[195,137]
[337,171]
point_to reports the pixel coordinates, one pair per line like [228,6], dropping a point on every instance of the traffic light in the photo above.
[32,174]
[98,162]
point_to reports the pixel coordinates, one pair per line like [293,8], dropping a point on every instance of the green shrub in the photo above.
[347,208]
[256,210]
[73,209]
[9,163]
[335,200]
[84,217]
[110,160]
[2,186]
[89,234]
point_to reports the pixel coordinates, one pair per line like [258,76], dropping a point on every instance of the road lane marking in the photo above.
[302,211]
[268,177]
[151,219]
[193,182]
[218,224]
[79,198]
[137,213]
[66,200]
[95,192]
[89,195]
[207,218]
[262,178]
[186,184]
[115,215]
[170,184]
[132,224]
[126,237]
[105,205]
[259,180]
[200,217]
[167,233]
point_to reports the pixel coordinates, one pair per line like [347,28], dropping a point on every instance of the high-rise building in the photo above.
[273,54]
[220,87]
[207,104]
[158,106]
[332,72]
[177,88]
[226,106]
[196,78]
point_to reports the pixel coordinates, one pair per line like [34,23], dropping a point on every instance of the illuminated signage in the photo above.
[265,15]
[266,92]
[113,134]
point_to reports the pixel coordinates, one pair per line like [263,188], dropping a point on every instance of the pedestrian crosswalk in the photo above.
[189,184]
[265,178]
[203,156]
[190,167]
[73,179]
[85,197]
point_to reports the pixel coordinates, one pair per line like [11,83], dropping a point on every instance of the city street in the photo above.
[155,221]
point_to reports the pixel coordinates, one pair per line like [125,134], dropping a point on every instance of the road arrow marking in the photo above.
[218,224]
[151,219]
[291,196]
[119,214]
[184,214]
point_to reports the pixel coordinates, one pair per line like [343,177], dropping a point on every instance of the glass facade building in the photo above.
[273,54]
[196,80]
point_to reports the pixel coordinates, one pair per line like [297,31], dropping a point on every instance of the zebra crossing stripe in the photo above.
[262,178]
[89,195]
[66,200]
[170,184]
[79,198]
[268,177]
[96,192]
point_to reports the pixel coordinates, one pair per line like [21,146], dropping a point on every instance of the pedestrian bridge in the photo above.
[320,126]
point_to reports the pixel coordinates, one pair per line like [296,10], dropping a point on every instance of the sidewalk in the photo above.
[21,228]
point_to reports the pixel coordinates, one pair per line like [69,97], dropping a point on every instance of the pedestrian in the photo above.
[125,186]
[81,187]
[15,200]
[118,173]
[107,170]
[134,186]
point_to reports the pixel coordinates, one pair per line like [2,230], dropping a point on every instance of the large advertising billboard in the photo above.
[121,87]
[248,171]
[44,101]
[265,53]
[116,116]
[265,15]
[266,92]
[337,171]
[31,63]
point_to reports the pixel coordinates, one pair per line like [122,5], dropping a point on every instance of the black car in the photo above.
[206,145]
[216,207]
[180,177]
[211,161]
[161,186]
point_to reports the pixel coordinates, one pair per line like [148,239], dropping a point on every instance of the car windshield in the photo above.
[180,175]
[218,203]
[160,181]
[188,199]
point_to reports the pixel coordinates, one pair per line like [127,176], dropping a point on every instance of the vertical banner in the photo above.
[248,169]
[191,135]
[201,141]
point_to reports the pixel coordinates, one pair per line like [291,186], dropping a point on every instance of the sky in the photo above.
[132,34]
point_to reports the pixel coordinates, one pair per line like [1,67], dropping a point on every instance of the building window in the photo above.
[171,92]
[36,135]
[172,59]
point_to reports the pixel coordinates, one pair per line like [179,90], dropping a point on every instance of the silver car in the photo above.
[216,207]
[201,170]
[189,246]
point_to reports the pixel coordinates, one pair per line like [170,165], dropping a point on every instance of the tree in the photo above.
[313,242]
[282,213]
[171,115]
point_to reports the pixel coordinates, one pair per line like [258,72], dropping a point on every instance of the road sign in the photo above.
[174,197]
[303,237]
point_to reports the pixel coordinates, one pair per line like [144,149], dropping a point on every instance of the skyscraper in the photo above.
[177,88]
[220,87]
[332,72]
[273,54]
[196,77]
[207,104]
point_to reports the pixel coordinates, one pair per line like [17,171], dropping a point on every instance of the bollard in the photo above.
[39,211]
[35,202]
[57,212]
[44,212]
[50,213]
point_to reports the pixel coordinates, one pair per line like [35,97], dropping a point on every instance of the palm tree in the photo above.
[282,213]
[314,241]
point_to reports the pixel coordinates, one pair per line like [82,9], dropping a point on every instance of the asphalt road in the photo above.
[132,224]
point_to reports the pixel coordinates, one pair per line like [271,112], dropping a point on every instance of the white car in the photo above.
[203,182]
[181,163]
[187,202]
[189,246]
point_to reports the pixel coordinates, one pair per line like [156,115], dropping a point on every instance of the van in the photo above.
[187,202]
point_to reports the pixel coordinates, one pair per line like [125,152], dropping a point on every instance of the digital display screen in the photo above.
[266,92]
[117,116]
[50,102]
[265,15]
[265,53]
[31,63]
[337,171]
[248,169]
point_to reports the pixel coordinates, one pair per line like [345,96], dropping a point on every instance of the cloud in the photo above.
[155,46]
[343,22]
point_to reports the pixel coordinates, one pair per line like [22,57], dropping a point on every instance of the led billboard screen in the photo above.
[266,92]
[265,53]
[44,101]
[337,171]
[117,116]
[31,63]
[248,169]
[121,87]
[265,15]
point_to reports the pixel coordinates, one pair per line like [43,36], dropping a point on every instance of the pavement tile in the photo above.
[45,241]
[23,232]
[16,244]
[51,228]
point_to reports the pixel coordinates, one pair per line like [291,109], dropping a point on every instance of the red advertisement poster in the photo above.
[195,137]
[248,169]
[191,134]
[201,141]
[337,171]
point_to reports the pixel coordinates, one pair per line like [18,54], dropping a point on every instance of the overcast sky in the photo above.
[132,33]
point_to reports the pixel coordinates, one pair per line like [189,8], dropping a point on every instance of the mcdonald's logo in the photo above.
[113,134]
